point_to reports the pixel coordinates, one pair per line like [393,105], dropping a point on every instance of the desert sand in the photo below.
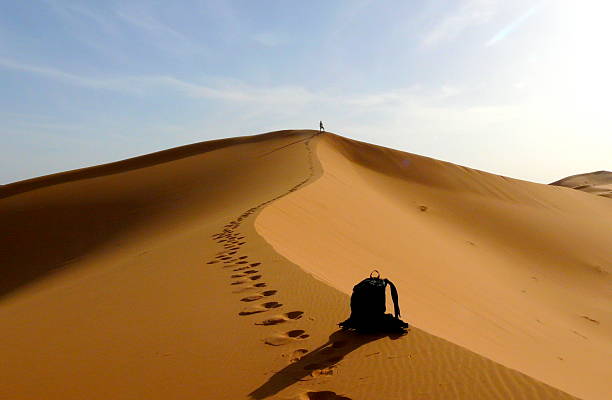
[220,270]
[599,183]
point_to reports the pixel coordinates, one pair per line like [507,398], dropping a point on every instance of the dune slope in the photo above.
[106,288]
[515,271]
[146,278]
[599,183]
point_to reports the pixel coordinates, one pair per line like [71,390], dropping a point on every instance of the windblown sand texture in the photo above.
[219,270]
[599,183]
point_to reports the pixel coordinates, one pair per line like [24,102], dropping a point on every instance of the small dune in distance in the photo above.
[220,270]
[598,183]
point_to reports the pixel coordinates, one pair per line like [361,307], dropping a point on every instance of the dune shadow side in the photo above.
[47,229]
[132,163]
[339,344]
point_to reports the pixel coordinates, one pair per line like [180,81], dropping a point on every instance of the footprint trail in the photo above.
[245,272]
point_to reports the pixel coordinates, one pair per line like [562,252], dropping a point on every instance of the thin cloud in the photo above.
[77,12]
[470,13]
[147,22]
[56,74]
[514,25]
[121,21]
[144,84]
[164,36]
[82,18]
[236,91]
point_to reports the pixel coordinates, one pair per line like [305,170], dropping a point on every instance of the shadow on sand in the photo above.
[318,361]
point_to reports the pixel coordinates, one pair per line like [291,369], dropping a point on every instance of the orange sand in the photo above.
[219,271]
[599,183]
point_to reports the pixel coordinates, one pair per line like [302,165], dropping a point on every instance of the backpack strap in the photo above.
[395,298]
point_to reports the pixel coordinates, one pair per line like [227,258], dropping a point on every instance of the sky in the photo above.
[517,88]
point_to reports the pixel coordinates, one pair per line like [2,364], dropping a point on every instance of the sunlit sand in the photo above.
[220,270]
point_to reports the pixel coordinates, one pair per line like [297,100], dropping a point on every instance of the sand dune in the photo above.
[599,183]
[219,270]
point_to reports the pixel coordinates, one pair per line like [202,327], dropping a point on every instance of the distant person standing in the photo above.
[321,129]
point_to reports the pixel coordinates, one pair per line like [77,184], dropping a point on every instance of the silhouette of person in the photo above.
[321,129]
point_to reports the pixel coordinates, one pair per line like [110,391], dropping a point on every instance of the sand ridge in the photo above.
[599,183]
[142,305]
[516,271]
[159,316]
[155,283]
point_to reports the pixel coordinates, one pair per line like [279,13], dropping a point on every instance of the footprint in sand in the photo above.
[255,264]
[272,304]
[295,314]
[251,311]
[296,355]
[279,319]
[242,268]
[255,277]
[237,283]
[212,262]
[586,317]
[241,262]
[259,296]
[325,371]
[245,289]
[324,395]
[313,366]
[243,257]
[261,284]
[252,298]
[280,339]
[271,321]
[251,271]
[236,276]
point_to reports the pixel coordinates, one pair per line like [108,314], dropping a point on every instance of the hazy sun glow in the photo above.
[584,55]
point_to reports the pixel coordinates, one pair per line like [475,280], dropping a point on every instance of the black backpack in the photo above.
[368,306]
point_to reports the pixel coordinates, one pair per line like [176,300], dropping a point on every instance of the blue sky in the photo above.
[516,88]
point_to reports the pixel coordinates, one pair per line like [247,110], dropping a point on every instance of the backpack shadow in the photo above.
[319,361]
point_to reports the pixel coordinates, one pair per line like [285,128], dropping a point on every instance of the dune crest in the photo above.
[147,278]
[516,271]
[599,183]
